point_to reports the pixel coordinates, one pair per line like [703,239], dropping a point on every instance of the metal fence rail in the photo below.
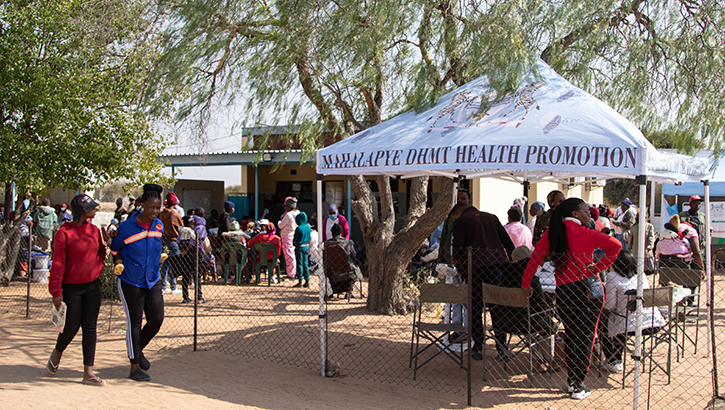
[280,323]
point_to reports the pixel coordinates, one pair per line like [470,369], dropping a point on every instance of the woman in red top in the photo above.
[571,244]
[269,237]
[78,259]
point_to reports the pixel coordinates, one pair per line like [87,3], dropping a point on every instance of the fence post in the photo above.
[468,318]
[196,288]
[322,315]
[30,268]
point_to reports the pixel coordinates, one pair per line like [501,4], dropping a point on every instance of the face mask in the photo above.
[333,217]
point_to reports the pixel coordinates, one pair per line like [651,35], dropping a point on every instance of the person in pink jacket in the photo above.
[287,226]
[334,219]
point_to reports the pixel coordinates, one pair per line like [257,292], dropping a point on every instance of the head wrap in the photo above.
[291,202]
[171,199]
[539,206]
[228,206]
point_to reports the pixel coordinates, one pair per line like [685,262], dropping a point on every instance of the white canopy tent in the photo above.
[548,130]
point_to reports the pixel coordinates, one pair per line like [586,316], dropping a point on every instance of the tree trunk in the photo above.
[388,253]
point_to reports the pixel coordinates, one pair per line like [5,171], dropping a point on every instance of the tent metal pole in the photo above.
[349,207]
[256,192]
[637,356]
[652,201]
[708,263]
[322,313]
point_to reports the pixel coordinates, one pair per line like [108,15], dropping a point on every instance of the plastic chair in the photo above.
[234,253]
[266,263]
[689,278]
[435,333]
[515,298]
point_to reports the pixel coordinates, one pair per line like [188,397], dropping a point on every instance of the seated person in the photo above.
[620,279]
[679,247]
[349,246]
[513,319]
[267,236]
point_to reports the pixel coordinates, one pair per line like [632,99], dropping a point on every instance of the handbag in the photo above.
[595,289]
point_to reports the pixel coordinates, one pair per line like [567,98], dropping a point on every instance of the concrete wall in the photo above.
[185,189]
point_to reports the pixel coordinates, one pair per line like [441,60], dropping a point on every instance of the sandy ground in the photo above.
[259,348]
[180,379]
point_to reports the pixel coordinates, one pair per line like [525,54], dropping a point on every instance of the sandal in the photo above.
[50,367]
[95,381]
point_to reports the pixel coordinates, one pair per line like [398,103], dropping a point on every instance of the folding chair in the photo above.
[265,262]
[338,270]
[234,253]
[515,298]
[652,299]
[689,278]
[435,333]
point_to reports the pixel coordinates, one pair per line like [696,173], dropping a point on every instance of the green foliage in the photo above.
[73,73]
[349,64]
[617,189]
[119,189]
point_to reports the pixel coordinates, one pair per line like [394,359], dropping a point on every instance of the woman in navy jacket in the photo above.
[137,255]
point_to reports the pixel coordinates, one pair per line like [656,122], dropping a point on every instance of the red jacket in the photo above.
[582,243]
[79,256]
[264,237]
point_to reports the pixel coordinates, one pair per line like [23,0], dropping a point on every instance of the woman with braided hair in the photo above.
[137,254]
[571,244]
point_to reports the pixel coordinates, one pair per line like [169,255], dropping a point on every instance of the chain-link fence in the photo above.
[243,296]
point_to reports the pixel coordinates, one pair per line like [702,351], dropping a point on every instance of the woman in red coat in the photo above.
[571,244]
[78,259]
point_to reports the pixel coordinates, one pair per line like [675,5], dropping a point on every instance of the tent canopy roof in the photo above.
[547,130]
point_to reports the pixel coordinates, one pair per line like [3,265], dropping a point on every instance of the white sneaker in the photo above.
[274,279]
[581,394]
[614,367]
[176,292]
[165,290]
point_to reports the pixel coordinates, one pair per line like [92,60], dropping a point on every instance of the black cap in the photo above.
[81,204]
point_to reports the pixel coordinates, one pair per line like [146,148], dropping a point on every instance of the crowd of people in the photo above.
[554,254]
[577,258]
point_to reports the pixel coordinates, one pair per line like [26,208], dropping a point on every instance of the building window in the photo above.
[302,190]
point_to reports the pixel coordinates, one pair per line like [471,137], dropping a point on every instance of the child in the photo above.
[301,241]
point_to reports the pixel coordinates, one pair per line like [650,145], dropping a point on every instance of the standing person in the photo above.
[553,198]
[519,233]
[314,245]
[276,212]
[189,251]
[571,245]
[696,219]
[537,208]
[603,216]
[172,222]
[212,222]
[594,213]
[287,226]
[649,245]
[334,218]
[225,221]
[78,261]
[624,222]
[45,222]
[120,210]
[137,254]
[491,246]
[301,241]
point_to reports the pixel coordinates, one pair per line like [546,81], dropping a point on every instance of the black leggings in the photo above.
[136,303]
[580,316]
[83,303]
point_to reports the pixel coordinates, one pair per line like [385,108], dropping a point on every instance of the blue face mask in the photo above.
[334,217]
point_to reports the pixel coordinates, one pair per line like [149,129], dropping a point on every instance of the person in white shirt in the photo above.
[287,226]
[620,279]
